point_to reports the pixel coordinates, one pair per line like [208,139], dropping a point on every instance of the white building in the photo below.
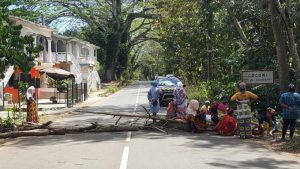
[81,56]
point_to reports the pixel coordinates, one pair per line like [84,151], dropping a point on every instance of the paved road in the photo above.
[136,150]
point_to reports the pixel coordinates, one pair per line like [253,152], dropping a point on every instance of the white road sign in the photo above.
[258,76]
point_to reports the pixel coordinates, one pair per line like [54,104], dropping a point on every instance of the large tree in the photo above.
[109,24]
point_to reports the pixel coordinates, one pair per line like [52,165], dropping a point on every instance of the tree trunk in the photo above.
[210,20]
[36,132]
[112,51]
[281,50]
[292,44]
[236,23]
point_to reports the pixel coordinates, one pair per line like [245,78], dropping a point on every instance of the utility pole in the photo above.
[44,41]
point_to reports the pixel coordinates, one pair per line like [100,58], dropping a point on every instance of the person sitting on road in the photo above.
[181,101]
[268,123]
[227,125]
[171,110]
[204,109]
[153,98]
[213,111]
[196,119]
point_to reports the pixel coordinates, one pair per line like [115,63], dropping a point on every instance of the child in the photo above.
[268,123]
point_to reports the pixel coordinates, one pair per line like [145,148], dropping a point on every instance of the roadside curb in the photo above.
[78,106]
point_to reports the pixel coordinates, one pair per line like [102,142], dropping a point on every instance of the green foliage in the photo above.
[112,89]
[12,45]
[212,90]
[22,90]
[108,25]
[268,97]
[8,123]
[62,84]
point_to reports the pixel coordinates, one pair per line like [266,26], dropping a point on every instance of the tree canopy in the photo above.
[14,49]
[209,40]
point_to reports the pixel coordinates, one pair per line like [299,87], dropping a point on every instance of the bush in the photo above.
[212,90]
[268,96]
[112,89]
[8,123]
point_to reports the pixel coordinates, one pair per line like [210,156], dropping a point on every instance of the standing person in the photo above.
[244,98]
[180,99]
[153,97]
[290,103]
[32,113]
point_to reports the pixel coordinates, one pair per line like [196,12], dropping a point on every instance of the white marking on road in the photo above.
[124,161]
[128,136]
[137,99]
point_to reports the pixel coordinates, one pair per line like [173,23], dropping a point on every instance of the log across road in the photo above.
[135,150]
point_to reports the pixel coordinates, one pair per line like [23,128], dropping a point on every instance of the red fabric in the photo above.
[14,92]
[222,107]
[34,73]
[227,125]
[18,71]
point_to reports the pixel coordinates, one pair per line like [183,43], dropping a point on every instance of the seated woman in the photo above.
[171,110]
[213,111]
[268,123]
[181,101]
[228,125]
[196,117]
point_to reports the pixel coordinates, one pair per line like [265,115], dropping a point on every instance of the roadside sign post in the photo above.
[258,76]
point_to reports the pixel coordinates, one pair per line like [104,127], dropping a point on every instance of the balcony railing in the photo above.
[69,57]
[88,60]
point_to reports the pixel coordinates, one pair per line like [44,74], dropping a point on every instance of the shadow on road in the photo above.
[266,163]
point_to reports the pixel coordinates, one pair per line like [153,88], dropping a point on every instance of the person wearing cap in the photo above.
[153,98]
[268,122]
[290,103]
[32,113]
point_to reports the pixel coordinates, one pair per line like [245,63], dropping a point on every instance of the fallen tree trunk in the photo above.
[36,132]
[137,116]
[94,127]
[34,126]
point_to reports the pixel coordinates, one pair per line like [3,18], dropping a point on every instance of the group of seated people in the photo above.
[219,117]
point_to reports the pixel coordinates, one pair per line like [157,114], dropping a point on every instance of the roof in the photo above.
[15,18]
[70,38]
[54,32]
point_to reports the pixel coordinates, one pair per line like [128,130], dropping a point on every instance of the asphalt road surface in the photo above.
[136,150]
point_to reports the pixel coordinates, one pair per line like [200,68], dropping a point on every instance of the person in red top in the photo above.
[228,125]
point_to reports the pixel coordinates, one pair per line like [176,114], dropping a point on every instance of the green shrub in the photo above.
[268,96]
[212,90]
[8,123]
[112,89]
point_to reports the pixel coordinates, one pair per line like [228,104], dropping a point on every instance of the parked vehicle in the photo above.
[167,87]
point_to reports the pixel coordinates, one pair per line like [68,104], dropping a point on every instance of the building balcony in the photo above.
[87,60]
